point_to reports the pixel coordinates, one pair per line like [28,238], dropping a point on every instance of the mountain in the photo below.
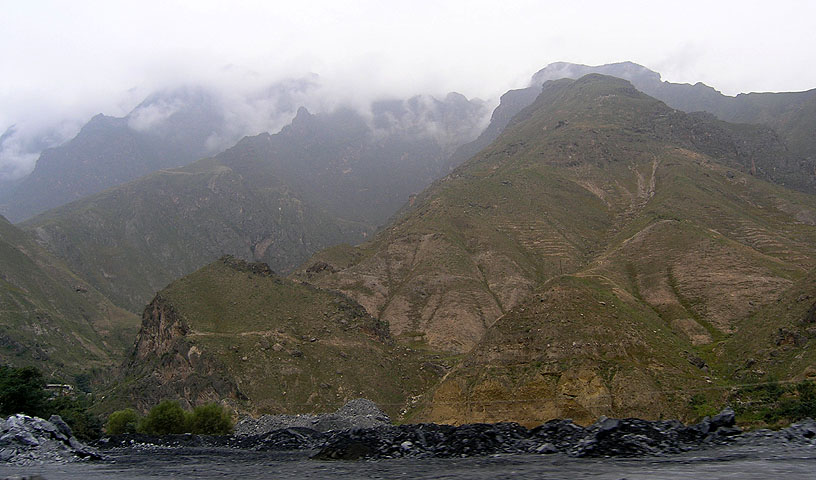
[51,318]
[791,116]
[235,331]
[164,131]
[603,241]
[168,129]
[323,180]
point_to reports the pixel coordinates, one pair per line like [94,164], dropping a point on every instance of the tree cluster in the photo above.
[22,390]
[169,418]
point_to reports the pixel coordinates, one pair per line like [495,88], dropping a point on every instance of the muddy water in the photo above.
[772,461]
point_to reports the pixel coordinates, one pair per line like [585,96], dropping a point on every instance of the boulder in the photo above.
[27,440]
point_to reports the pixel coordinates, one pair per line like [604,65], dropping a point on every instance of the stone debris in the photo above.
[295,438]
[358,413]
[800,432]
[28,440]
[606,437]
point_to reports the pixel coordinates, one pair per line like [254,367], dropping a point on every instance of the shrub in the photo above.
[210,419]
[774,404]
[122,421]
[165,418]
[701,407]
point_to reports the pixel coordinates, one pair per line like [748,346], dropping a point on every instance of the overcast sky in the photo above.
[70,59]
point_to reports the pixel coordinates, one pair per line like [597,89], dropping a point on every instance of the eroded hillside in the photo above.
[596,195]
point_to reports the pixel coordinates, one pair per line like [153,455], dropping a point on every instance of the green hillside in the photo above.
[51,318]
[131,241]
[235,331]
[777,341]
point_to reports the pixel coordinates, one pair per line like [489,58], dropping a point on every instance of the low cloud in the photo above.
[22,143]
[151,117]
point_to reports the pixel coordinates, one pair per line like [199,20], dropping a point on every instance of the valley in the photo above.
[601,247]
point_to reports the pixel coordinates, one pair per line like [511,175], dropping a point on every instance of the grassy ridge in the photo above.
[283,346]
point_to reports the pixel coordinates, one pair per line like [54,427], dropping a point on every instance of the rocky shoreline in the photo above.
[360,431]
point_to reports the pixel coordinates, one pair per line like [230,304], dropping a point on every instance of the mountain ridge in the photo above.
[324,179]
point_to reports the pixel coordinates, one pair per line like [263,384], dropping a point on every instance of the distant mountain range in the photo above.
[168,129]
[323,180]
[791,116]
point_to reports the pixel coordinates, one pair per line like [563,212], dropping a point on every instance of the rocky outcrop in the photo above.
[170,366]
[28,440]
[239,335]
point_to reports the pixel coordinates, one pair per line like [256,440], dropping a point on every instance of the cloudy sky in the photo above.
[63,61]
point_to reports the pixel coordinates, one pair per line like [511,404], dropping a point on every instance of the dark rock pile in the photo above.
[607,437]
[28,440]
[295,438]
[801,432]
[425,440]
[358,413]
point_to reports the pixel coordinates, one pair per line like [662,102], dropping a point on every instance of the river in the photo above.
[769,461]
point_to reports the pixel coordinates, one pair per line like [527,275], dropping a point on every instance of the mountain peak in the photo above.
[302,117]
[627,70]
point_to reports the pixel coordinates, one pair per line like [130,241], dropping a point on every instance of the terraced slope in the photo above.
[589,165]
[777,341]
[596,195]
[51,318]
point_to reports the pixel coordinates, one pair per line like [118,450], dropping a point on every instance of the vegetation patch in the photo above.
[168,418]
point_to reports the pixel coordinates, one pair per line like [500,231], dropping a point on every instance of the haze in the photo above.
[63,62]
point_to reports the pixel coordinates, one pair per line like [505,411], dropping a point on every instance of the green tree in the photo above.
[122,421]
[210,419]
[165,418]
[74,410]
[22,390]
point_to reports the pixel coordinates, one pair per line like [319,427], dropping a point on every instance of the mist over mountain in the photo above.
[174,127]
[325,179]
[168,129]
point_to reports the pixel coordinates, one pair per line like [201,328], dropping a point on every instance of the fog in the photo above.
[63,62]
